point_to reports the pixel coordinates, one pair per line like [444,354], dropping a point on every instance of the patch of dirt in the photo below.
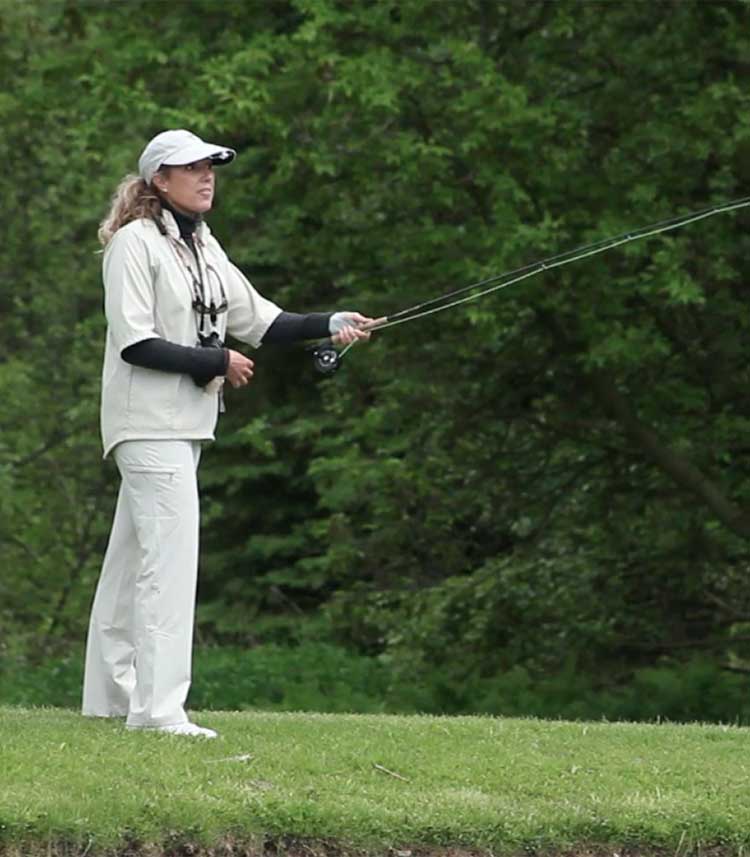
[288,847]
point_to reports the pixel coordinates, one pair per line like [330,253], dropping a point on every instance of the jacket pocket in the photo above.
[152,399]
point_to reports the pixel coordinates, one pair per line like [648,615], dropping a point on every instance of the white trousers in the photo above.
[138,654]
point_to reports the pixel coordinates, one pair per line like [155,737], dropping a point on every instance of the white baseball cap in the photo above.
[176,148]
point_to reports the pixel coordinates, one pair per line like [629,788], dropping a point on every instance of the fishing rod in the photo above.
[327,359]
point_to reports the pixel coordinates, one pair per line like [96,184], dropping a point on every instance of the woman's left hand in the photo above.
[348,327]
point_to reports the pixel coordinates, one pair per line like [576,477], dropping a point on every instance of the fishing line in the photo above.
[327,359]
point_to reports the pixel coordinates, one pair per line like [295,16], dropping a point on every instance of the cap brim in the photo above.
[198,152]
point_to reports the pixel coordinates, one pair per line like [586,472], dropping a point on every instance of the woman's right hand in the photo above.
[348,327]
[239,369]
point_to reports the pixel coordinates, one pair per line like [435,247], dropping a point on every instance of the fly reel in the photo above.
[326,359]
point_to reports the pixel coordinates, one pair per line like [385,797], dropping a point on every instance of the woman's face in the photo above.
[189,188]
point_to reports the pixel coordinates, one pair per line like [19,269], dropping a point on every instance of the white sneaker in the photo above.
[189,729]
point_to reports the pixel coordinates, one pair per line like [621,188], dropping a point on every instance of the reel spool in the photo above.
[326,359]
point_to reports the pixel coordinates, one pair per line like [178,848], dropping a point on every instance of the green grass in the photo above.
[372,782]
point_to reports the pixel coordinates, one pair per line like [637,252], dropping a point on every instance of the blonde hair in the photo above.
[133,199]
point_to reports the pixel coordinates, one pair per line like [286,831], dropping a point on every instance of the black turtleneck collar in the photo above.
[186,223]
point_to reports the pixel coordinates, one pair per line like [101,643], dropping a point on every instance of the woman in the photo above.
[171,296]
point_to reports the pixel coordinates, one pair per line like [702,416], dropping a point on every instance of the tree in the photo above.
[556,472]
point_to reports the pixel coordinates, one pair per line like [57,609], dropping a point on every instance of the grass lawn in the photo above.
[70,785]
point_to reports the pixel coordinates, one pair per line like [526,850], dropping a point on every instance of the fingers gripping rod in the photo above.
[327,359]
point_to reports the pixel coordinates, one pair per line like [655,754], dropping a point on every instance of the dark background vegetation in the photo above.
[536,504]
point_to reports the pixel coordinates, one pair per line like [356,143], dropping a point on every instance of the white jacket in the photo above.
[148,293]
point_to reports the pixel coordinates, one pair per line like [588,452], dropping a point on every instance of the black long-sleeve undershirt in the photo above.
[203,364]
[290,327]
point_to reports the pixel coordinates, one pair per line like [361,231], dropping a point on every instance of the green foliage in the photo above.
[310,678]
[557,474]
[331,679]
[307,678]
